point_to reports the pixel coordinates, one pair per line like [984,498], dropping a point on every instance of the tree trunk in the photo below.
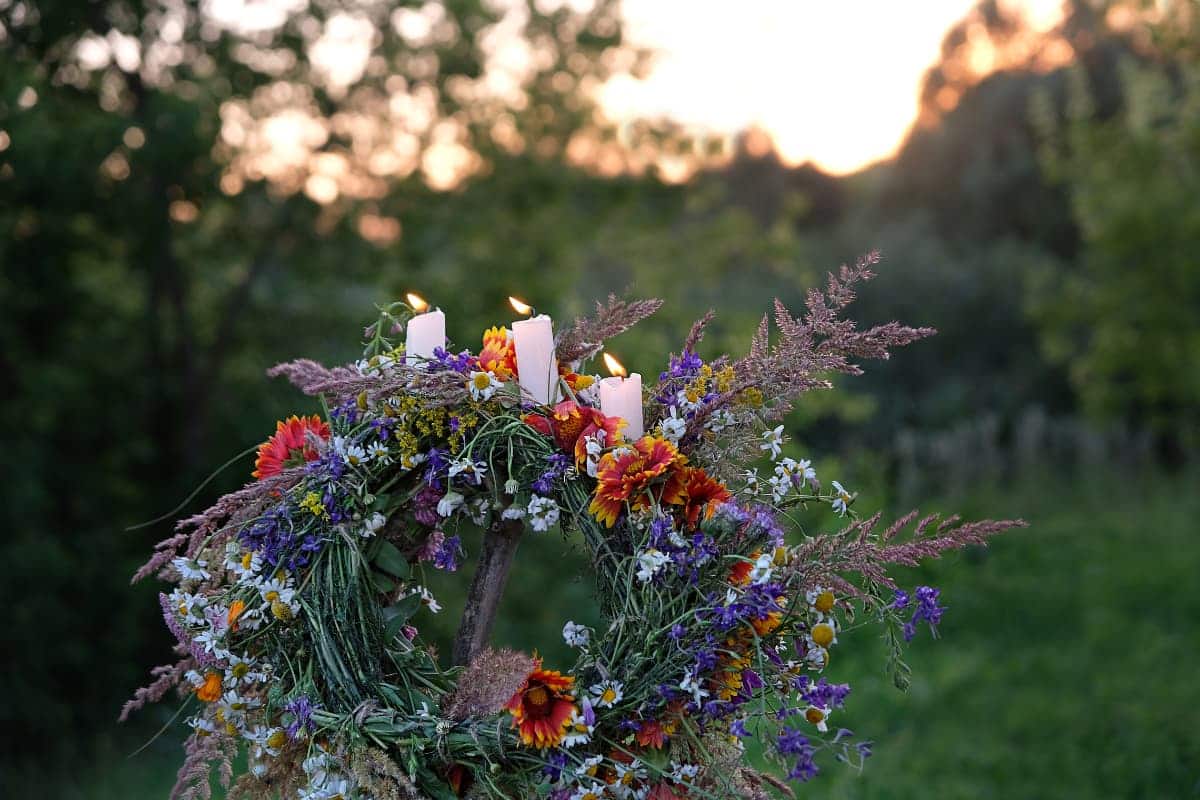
[495,560]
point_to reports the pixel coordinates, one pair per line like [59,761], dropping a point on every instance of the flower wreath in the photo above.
[298,597]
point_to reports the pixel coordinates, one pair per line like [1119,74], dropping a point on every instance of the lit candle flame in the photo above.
[520,307]
[417,302]
[614,366]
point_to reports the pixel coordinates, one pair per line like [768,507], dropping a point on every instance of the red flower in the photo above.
[571,424]
[498,355]
[460,779]
[652,734]
[625,474]
[289,446]
[542,707]
[740,574]
[701,491]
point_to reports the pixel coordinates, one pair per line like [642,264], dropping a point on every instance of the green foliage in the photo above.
[133,346]
[1125,321]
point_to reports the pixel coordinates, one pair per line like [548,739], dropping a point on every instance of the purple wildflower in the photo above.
[302,722]
[927,611]
[555,765]
[763,523]
[425,505]
[447,554]
[792,743]
[461,363]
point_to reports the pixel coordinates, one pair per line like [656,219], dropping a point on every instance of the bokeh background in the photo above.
[191,192]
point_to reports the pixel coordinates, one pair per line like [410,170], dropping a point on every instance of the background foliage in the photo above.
[1046,222]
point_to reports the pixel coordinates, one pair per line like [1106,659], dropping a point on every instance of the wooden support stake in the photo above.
[483,601]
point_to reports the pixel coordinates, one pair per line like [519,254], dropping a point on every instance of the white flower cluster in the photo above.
[543,513]
[324,781]
[650,562]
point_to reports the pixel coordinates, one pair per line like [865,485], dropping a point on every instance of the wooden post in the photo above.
[483,601]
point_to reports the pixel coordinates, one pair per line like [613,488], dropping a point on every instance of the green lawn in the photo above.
[1067,666]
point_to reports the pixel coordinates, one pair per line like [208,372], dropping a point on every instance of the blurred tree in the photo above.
[192,191]
[1126,320]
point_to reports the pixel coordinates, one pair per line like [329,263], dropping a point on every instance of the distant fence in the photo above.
[988,449]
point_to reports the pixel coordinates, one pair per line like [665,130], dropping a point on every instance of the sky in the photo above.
[833,82]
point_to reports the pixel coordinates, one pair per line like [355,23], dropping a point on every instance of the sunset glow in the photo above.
[832,83]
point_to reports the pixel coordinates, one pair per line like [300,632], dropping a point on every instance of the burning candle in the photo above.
[621,396]
[425,333]
[537,366]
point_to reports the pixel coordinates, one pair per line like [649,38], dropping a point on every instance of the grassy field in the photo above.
[1067,666]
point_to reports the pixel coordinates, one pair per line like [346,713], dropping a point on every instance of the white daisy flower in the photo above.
[799,471]
[378,451]
[241,670]
[752,482]
[450,503]
[190,606]
[780,486]
[683,773]
[607,693]
[589,767]
[773,441]
[355,455]
[592,791]
[427,599]
[471,470]
[682,401]
[579,729]
[761,571]
[820,600]
[210,641]
[576,635]
[841,503]
[818,715]
[628,775]
[483,385]
[277,589]
[413,461]
[673,427]
[823,634]
[191,569]
[248,567]
[202,726]
[543,513]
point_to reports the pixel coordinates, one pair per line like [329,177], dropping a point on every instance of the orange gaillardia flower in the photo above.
[739,575]
[236,609]
[498,355]
[571,424]
[210,690]
[624,475]
[542,707]
[651,734]
[701,491]
[289,446]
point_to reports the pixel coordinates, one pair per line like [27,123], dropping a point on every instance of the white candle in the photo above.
[622,397]
[537,366]
[426,332]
